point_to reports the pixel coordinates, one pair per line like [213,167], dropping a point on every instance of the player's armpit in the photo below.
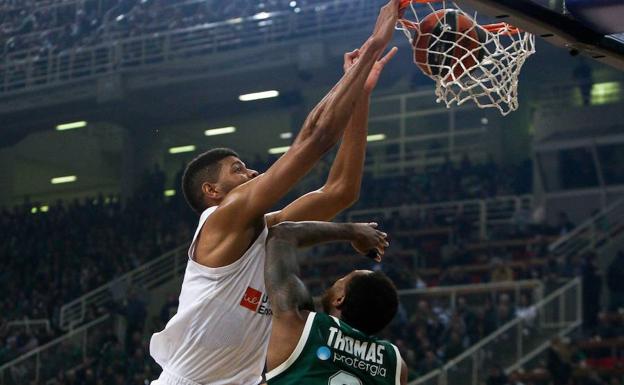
[285,334]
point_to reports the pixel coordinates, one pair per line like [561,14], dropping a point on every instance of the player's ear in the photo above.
[338,301]
[210,190]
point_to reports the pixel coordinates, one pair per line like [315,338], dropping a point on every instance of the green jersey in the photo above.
[330,352]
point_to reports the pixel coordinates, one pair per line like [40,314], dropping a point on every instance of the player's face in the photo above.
[233,174]
[334,296]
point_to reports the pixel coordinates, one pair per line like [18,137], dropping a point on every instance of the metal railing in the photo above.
[148,276]
[32,69]
[63,353]
[486,213]
[420,132]
[593,234]
[29,324]
[558,96]
[517,342]
[448,295]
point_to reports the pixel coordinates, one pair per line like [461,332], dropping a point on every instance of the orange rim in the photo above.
[497,27]
[405,3]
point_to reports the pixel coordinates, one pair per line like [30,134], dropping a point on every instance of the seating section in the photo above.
[84,248]
[593,358]
[33,27]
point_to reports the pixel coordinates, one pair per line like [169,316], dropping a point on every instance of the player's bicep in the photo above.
[317,205]
[267,189]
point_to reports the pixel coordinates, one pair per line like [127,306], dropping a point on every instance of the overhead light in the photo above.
[261,16]
[64,179]
[170,193]
[181,149]
[278,150]
[33,210]
[375,137]
[258,95]
[71,126]
[220,131]
[605,93]
[237,20]
[44,208]
[286,135]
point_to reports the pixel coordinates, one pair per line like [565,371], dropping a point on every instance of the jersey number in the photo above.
[344,378]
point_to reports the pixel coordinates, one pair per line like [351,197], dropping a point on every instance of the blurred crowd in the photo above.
[449,182]
[55,26]
[84,247]
[591,359]
[52,257]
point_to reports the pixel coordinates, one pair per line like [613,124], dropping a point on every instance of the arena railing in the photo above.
[515,343]
[64,353]
[558,96]
[486,213]
[172,264]
[595,233]
[150,275]
[474,295]
[29,324]
[31,69]
[421,132]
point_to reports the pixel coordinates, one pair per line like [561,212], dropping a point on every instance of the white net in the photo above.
[467,61]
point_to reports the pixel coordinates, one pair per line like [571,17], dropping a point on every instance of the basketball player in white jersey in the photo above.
[221,330]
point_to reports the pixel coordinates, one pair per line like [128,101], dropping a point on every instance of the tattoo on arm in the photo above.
[281,272]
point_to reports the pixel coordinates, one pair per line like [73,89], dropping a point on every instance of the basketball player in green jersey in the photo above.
[337,347]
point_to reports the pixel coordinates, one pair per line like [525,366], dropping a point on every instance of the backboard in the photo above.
[590,27]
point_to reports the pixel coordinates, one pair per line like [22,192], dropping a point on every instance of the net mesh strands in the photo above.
[479,63]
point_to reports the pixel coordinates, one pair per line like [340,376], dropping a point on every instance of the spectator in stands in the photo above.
[430,363]
[455,346]
[615,282]
[454,276]
[559,363]
[136,312]
[592,290]
[605,328]
[514,379]
[501,272]
[564,224]
[496,376]
[527,312]
[169,309]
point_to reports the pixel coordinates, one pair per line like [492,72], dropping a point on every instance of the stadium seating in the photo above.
[83,251]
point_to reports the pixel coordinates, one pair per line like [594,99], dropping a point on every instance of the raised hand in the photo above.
[350,58]
[385,25]
[369,241]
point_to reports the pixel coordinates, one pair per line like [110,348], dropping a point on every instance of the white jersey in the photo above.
[220,333]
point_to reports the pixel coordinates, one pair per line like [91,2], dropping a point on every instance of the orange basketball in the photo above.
[445,39]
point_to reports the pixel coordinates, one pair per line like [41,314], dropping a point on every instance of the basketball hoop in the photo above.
[467,61]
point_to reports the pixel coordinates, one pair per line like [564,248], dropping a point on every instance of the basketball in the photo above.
[446,39]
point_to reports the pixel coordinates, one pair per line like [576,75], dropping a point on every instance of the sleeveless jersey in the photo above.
[330,352]
[220,333]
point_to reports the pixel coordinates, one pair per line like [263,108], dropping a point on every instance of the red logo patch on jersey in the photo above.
[251,299]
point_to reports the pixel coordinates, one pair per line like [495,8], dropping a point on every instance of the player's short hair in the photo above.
[204,168]
[370,302]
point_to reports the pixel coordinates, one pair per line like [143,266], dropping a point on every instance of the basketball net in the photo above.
[490,81]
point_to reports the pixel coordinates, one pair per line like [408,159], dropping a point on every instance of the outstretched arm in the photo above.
[229,230]
[342,188]
[281,274]
[282,269]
